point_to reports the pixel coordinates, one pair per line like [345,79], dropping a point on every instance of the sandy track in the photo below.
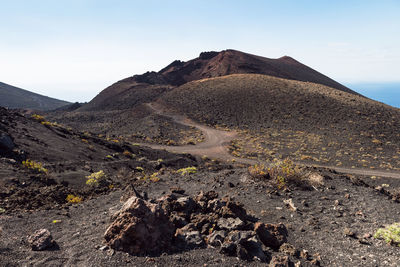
[216,142]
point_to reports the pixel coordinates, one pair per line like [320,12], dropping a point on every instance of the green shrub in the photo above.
[391,234]
[95,178]
[36,166]
[188,170]
[38,117]
[73,199]
[139,169]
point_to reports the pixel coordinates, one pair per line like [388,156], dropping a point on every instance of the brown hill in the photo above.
[294,119]
[14,97]
[147,87]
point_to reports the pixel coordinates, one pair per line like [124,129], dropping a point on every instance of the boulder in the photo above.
[272,235]
[6,143]
[140,228]
[41,240]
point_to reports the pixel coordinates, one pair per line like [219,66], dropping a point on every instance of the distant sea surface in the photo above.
[388,93]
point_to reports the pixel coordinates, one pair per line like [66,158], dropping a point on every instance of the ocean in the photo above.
[388,93]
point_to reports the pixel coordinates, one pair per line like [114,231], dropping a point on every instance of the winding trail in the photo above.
[216,142]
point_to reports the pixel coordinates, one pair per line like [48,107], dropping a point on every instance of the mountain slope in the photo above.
[146,87]
[300,120]
[14,97]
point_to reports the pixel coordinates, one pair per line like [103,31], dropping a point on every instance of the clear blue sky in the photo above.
[73,49]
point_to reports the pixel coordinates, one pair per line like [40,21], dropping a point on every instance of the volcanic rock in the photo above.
[216,238]
[140,228]
[41,240]
[272,235]
[6,143]
[280,261]
[230,223]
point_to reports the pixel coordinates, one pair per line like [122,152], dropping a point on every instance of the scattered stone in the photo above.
[367,235]
[365,241]
[304,254]
[289,249]
[103,248]
[347,232]
[289,204]
[272,235]
[41,240]
[304,203]
[280,261]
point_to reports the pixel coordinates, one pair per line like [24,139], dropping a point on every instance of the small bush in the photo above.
[41,119]
[391,234]
[139,169]
[73,199]
[154,177]
[258,171]
[188,170]
[36,166]
[95,178]
[38,117]
[281,174]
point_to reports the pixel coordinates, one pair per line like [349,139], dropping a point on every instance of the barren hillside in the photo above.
[14,97]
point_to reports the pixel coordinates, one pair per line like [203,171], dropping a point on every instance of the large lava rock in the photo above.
[6,143]
[140,228]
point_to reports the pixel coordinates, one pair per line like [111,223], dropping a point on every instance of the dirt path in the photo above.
[216,141]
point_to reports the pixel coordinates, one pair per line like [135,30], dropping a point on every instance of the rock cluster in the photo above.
[177,222]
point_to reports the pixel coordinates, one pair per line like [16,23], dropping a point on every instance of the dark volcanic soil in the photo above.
[69,156]
[278,118]
[321,224]
[45,166]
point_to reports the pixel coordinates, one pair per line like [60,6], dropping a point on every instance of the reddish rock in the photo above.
[41,240]
[140,228]
[272,235]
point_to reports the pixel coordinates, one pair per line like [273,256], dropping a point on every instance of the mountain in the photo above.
[146,87]
[14,97]
[303,115]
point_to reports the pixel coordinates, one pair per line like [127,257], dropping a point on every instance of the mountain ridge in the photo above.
[208,65]
[14,97]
